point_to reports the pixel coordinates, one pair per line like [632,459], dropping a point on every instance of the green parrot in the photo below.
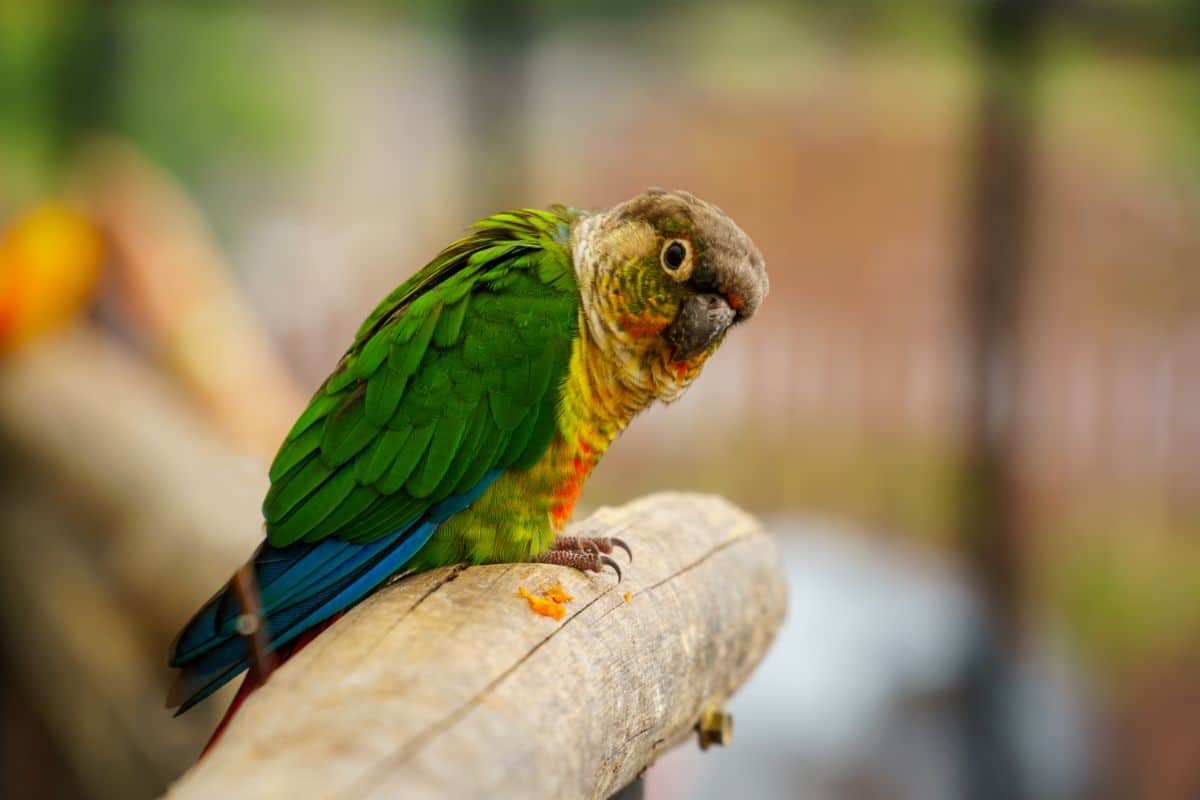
[475,400]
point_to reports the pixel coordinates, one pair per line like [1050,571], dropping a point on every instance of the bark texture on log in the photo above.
[446,684]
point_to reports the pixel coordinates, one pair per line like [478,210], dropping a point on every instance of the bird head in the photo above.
[663,277]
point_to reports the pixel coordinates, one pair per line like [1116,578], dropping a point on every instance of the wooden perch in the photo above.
[445,684]
[186,300]
[78,655]
[121,510]
[128,450]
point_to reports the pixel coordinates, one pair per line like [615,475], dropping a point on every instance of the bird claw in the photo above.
[585,554]
[610,562]
[621,544]
[592,544]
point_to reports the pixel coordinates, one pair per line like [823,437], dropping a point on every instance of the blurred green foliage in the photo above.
[39,48]
[893,483]
[204,79]
[188,83]
[1125,585]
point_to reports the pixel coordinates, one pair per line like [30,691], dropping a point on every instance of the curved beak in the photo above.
[702,320]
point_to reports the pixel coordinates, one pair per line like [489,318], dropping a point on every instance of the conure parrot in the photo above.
[473,403]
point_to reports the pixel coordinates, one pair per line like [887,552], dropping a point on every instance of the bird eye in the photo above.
[676,258]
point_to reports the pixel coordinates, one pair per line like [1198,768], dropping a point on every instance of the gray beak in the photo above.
[701,321]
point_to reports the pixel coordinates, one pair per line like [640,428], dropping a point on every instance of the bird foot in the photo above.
[595,544]
[587,554]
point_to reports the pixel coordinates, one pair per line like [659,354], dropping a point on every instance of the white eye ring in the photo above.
[676,258]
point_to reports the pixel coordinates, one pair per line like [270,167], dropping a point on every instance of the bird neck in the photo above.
[594,407]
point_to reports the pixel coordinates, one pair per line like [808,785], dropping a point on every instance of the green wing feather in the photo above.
[455,374]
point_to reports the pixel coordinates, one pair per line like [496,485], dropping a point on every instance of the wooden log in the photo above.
[185,300]
[126,448]
[74,649]
[445,684]
[121,511]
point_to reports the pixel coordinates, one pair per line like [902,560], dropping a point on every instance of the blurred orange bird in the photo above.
[50,258]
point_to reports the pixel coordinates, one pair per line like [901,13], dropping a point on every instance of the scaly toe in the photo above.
[584,560]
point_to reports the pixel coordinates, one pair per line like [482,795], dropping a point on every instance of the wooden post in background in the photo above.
[998,255]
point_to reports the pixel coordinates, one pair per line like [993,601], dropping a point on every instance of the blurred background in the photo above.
[968,410]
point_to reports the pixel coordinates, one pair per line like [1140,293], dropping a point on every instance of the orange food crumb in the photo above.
[628,597]
[542,605]
[558,594]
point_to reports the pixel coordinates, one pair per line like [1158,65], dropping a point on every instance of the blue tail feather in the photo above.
[300,586]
